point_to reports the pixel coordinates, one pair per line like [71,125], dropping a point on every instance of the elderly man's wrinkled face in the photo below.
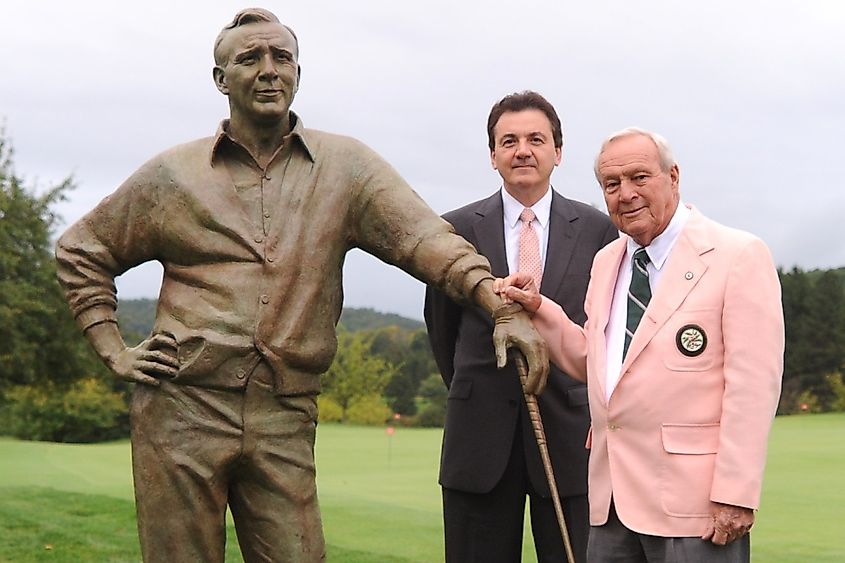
[641,198]
[258,71]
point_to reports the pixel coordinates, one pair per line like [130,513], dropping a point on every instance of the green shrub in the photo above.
[86,411]
[837,386]
[431,416]
[330,411]
[370,410]
[433,396]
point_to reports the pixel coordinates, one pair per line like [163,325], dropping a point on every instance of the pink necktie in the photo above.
[529,248]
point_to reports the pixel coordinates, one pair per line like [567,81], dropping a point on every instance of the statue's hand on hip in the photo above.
[148,362]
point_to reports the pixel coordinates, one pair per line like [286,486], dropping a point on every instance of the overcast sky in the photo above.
[751,95]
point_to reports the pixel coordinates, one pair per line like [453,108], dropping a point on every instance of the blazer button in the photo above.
[240,374]
[613,427]
[265,299]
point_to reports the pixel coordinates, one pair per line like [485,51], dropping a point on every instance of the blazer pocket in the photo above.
[687,467]
[577,396]
[693,439]
[460,389]
[692,341]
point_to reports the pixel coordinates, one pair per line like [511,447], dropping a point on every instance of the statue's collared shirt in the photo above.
[258,188]
[253,257]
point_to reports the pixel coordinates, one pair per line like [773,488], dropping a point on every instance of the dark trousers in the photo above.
[615,543]
[487,528]
[196,450]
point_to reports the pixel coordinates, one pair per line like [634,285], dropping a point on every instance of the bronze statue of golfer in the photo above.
[252,226]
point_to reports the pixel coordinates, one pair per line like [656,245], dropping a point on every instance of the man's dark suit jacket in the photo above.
[485,402]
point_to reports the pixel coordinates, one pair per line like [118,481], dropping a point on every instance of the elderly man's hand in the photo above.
[519,288]
[514,328]
[729,523]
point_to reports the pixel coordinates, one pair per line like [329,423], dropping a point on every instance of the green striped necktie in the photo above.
[639,294]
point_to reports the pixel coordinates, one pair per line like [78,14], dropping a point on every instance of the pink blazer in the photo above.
[689,419]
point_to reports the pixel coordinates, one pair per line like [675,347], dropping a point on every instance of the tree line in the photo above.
[53,387]
[814,314]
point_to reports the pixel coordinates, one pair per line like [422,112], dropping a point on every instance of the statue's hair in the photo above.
[664,151]
[245,17]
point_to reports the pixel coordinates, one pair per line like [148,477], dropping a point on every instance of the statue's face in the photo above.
[259,72]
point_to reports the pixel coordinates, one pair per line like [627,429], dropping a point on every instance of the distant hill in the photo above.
[136,317]
[366,319]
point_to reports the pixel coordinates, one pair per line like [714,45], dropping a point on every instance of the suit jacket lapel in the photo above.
[561,245]
[684,269]
[490,239]
[489,234]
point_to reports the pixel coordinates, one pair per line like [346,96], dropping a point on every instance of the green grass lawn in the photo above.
[380,499]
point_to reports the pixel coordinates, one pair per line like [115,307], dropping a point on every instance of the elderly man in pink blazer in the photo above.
[682,352]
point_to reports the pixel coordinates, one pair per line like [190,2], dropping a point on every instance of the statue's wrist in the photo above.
[506,311]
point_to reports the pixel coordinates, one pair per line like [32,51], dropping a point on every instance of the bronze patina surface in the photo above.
[252,226]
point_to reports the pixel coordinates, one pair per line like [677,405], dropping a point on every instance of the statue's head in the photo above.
[256,65]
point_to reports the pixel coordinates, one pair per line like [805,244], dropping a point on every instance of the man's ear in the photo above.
[493,159]
[220,80]
[298,77]
[675,176]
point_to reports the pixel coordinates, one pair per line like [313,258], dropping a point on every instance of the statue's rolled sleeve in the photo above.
[396,225]
[113,237]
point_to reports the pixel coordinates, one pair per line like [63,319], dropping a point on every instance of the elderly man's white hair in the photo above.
[664,151]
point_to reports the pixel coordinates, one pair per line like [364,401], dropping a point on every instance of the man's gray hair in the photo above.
[244,17]
[664,151]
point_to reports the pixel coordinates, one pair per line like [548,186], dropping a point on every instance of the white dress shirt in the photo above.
[512,209]
[658,252]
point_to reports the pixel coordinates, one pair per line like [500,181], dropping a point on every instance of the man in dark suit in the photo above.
[490,459]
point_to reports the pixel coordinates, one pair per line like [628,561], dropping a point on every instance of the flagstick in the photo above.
[389,430]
